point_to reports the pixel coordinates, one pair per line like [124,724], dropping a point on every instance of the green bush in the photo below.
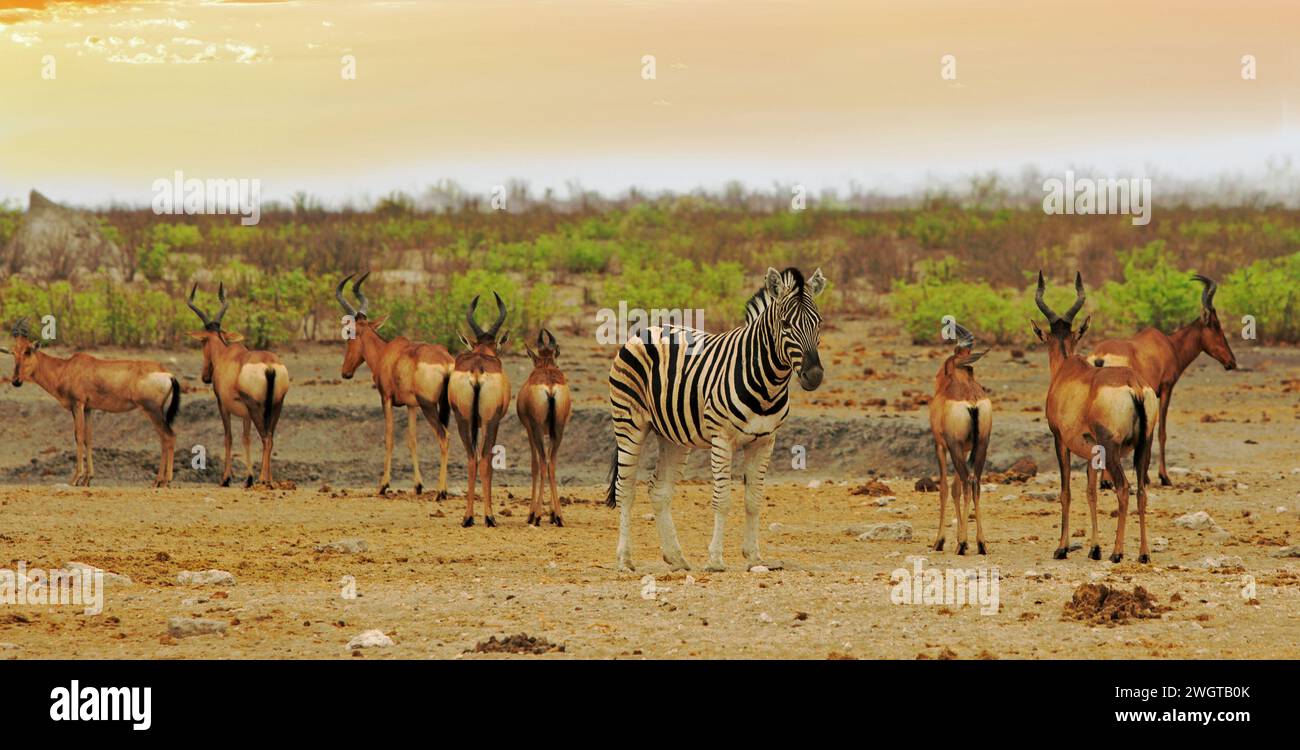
[1268,290]
[1153,293]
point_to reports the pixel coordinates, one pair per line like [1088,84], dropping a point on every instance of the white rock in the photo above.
[1292,551]
[1011,497]
[205,577]
[1223,562]
[1179,471]
[1159,544]
[1051,495]
[1198,521]
[814,484]
[759,569]
[1242,486]
[776,527]
[764,617]
[1281,509]
[184,627]
[370,639]
[900,531]
[884,500]
[90,570]
[989,487]
[344,546]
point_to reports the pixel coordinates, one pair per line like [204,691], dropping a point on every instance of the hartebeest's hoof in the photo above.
[531,518]
[419,488]
[442,495]
[557,520]
[1095,552]
[490,521]
[248,482]
[383,490]
[1106,484]
[938,546]
[1116,557]
[468,522]
[961,548]
[225,482]
[984,550]
[1164,481]
[1144,558]
[1060,553]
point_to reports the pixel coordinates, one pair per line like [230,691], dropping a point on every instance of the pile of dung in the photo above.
[1100,604]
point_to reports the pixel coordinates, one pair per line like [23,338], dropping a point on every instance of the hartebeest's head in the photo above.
[355,353]
[1213,340]
[1060,334]
[24,353]
[486,342]
[212,336]
[961,363]
[548,349]
[799,320]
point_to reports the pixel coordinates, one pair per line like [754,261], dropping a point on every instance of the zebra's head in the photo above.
[798,320]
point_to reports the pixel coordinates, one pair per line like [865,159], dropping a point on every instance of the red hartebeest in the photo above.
[407,374]
[479,394]
[1098,414]
[250,384]
[1161,358]
[82,383]
[543,407]
[961,419]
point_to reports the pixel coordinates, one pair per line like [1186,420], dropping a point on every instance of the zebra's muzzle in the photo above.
[810,377]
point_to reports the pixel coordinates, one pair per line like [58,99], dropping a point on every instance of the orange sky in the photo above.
[822,93]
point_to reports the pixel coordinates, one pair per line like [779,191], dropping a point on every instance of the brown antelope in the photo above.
[248,384]
[543,407]
[479,394]
[961,419]
[1161,358]
[82,383]
[407,374]
[1098,414]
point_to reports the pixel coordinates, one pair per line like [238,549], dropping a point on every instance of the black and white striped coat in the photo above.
[721,392]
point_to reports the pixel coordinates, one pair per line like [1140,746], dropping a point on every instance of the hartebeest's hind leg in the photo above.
[1121,493]
[961,493]
[471,461]
[1164,433]
[939,452]
[1141,462]
[981,455]
[412,444]
[90,451]
[266,430]
[248,451]
[537,451]
[485,465]
[388,446]
[1063,462]
[556,518]
[167,443]
[440,430]
[1094,476]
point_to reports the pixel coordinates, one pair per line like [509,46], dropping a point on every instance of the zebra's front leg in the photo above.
[758,455]
[626,457]
[720,462]
[668,468]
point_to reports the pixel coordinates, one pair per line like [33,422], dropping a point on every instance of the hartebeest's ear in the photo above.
[377,324]
[1039,332]
[464,340]
[1083,328]
[531,354]
[200,335]
[817,284]
[233,338]
[503,338]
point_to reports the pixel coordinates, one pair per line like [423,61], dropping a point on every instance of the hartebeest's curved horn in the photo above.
[338,295]
[551,337]
[1079,297]
[202,315]
[1038,299]
[965,338]
[361,297]
[22,328]
[501,315]
[1207,294]
[225,303]
[469,318]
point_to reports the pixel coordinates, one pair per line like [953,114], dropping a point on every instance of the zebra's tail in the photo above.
[611,499]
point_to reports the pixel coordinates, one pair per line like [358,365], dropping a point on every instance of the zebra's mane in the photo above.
[759,303]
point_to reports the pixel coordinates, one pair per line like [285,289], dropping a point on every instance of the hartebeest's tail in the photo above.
[175,405]
[1141,446]
[550,416]
[268,404]
[974,437]
[444,402]
[474,421]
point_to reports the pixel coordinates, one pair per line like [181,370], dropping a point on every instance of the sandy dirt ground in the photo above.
[439,591]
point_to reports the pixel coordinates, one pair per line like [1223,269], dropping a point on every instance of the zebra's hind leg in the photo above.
[720,461]
[757,456]
[628,454]
[668,468]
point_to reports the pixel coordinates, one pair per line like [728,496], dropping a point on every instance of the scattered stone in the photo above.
[184,627]
[1198,521]
[776,527]
[884,500]
[344,546]
[1051,495]
[370,639]
[764,617]
[900,531]
[1292,551]
[1159,544]
[517,644]
[760,569]
[1229,563]
[85,569]
[205,578]
[814,484]
[1100,604]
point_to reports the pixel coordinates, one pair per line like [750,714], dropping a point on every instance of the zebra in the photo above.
[724,392]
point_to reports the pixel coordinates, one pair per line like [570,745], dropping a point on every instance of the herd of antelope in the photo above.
[719,392]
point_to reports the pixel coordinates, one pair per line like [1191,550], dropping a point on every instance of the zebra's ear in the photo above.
[774,283]
[817,284]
